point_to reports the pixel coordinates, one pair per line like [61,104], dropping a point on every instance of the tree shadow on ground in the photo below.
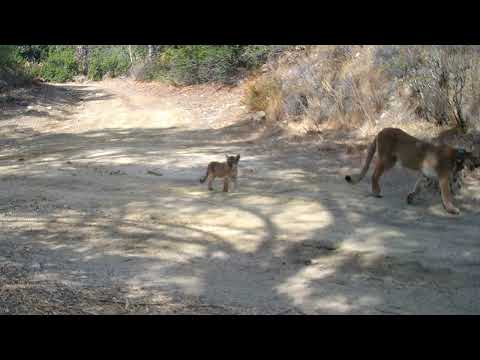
[47,97]
[156,239]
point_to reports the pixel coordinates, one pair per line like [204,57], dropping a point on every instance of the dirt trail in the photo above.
[81,209]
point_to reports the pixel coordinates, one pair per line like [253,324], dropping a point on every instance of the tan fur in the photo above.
[434,161]
[227,170]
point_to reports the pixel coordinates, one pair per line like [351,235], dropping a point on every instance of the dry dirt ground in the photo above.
[86,228]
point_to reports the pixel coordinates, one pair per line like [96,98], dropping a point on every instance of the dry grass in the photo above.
[333,86]
[264,94]
[20,294]
[343,89]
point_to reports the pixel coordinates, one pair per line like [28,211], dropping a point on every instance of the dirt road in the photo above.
[80,208]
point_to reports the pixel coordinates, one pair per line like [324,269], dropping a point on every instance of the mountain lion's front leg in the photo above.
[447,195]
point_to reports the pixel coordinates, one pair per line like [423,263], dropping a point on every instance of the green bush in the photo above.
[59,66]
[113,60]
[194,64]
[198,63]
[34,53]
[9,56]
[254,56]
[182,64]
[13,70]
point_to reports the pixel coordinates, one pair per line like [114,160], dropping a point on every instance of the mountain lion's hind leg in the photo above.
[383,165]
[447,195]
[416,190]
[210,182]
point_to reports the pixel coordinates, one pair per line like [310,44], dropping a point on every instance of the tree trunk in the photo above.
[151,52]
[130,52]
[82,52]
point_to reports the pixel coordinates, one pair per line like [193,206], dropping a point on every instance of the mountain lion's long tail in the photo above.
[353,179]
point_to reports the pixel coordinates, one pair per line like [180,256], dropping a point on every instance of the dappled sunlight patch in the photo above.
[220,255]
[100,153]
[375,239]
[345,304]
[190,285]
[334,303]
[9,170]
[98,134]
[243,230]
[297,287]
[193,191]
[40,167]
[159,248]
[259,200]
[288,174]
[302,220]
[130,230]
[311,289]
[83,249]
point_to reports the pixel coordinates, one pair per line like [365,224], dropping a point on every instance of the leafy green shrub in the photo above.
[59,66]
[34,53]
[13,69]
[198,63]
[112,60]
[254,56]
[194,64]
[9,56]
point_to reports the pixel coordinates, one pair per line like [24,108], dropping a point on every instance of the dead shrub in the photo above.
[444,80]
[263,94]
[324,86]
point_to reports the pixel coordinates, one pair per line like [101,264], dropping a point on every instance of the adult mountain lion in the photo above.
[227,170]
[438,162]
